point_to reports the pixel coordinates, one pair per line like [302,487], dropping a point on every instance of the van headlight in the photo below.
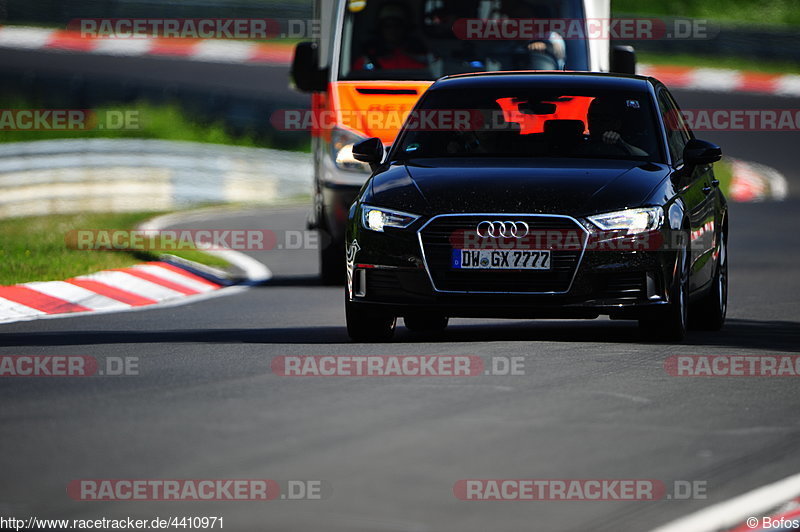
[633,221]
[342,142]
[377,218]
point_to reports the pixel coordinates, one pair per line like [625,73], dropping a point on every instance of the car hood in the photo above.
[574,187]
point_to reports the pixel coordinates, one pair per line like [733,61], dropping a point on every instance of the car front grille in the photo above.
[437,244]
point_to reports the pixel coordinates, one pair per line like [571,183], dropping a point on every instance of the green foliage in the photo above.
[750,12]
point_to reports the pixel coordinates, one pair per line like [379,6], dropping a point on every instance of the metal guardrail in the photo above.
[64,176]
[59,12]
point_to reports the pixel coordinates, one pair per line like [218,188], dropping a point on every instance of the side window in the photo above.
[677,132]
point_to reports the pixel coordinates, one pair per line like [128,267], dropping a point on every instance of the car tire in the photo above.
[426,323]
[331,260]
[368,325]
[709,313]
[669,324]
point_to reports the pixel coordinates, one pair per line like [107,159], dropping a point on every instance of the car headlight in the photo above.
[342,143]
[377,218]
[633,221]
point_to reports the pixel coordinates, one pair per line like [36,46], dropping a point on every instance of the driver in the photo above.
[395,48]
[547,50]
[606,133]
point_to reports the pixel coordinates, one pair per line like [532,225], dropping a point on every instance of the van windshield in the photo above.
[428,39]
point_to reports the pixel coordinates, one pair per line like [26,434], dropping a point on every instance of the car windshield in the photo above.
[429,39]
[523,122]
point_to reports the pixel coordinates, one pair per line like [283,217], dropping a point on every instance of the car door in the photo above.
[697,188]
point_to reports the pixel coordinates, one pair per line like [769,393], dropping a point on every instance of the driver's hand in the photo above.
[611,137]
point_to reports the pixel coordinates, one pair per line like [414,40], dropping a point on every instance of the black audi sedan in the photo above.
[539,195]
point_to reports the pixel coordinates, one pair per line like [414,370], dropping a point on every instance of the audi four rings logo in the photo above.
[503,229]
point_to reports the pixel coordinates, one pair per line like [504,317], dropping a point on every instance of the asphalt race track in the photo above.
[240,80]
[595,400]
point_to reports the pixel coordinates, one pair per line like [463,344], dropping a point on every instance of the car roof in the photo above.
[544,79]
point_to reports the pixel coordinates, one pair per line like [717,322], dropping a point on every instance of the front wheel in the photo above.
[669,324]
[709,313]
[368,325]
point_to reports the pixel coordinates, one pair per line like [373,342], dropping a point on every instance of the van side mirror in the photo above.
[305,72]
[699,152]
[623,59]
[369,151]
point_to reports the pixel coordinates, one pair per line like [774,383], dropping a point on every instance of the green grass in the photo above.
[735,63]
[749,12]
[35,248]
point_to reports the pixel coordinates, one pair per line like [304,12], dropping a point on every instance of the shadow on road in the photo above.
[305,335]
[738,333]
[741,334]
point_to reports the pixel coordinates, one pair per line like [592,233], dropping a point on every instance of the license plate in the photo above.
[500,259]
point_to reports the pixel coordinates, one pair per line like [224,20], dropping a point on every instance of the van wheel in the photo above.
[331,260]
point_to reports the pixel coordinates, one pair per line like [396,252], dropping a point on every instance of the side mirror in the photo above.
[369,151]
[305,72]
[699,152]
[623,59]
